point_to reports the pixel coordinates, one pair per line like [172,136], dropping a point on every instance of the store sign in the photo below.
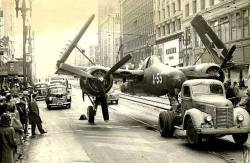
[3,70]
[15,68]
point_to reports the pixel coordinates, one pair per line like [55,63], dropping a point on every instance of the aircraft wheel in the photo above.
[91,114]
[240,138]
[165,122]
[192,137]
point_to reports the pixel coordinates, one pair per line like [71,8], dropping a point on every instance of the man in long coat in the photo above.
[7,141]
[34,117]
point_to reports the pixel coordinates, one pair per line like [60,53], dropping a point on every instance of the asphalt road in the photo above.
[130,136]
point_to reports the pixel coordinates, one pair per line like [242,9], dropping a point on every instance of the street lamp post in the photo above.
[24,9]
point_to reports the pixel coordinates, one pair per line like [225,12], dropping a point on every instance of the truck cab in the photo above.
[205,112]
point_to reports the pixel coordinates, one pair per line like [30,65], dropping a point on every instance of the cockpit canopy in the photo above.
[149,61]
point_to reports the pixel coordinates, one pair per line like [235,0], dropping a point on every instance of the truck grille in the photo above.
[224,117]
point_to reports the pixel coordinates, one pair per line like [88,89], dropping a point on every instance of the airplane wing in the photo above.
[81,72]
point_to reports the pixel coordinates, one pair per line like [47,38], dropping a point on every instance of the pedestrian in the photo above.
[7,140]
[246,102]
[236,91]
[34,117]
[3,105]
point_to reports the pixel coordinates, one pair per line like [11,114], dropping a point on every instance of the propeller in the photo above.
[102,97]
[74,70]
[118,65]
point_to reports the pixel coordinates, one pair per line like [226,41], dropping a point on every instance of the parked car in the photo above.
[112,97]
[58,96]
[41,89]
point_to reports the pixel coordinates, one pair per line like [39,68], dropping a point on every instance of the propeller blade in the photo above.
[75,70]
[118,65]
[228,57]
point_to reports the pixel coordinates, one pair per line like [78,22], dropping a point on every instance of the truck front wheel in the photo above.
[165,123]
[192,136]
[240,138]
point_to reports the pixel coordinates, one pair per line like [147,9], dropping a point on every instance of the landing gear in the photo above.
[91,114]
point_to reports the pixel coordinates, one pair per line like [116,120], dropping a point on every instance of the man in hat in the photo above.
[34,117]
[246,102]
[7,140]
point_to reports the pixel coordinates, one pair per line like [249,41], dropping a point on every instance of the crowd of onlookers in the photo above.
[18,109]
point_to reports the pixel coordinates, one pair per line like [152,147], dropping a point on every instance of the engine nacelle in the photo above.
[206,68]
[91,86]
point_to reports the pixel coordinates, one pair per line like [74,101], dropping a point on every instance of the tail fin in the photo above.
[208,37]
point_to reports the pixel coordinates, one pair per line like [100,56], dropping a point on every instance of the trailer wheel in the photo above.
[192,137]
[240,138]
[165,122]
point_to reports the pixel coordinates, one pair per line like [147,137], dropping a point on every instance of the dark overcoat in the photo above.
[7,144]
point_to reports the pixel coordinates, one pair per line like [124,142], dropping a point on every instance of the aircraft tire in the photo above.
[165,122]
[240,139]
[91,114]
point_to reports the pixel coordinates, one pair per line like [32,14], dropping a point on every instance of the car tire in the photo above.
[69,106]
[91,114]
[116,101]
[165,122]
[49,107]
[240,139]
[193,138]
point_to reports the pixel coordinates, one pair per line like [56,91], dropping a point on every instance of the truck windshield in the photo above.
[207,89]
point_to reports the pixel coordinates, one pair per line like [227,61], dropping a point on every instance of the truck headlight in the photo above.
[240,117]
[50,98]
[208,118]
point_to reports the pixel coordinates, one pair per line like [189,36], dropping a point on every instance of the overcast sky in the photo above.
[54,23]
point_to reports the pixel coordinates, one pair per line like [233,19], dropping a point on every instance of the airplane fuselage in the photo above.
[159,79]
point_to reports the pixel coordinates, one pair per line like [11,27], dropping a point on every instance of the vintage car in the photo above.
[112,96]
[58,96]
[41,89]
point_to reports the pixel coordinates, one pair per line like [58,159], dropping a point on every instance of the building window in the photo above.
[202,3]
[173,26]
[236,26]
[168,11]
[164,13]
[187,10]
[173,9]
[214,26]
[168,28]
[211,2]
[187,40]
[159,32]
[246,20]
[179,5]
[159,15]
[178,24]
[164,30]
[224,29]
[194,7]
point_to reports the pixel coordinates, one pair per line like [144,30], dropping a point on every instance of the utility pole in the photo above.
[23,9]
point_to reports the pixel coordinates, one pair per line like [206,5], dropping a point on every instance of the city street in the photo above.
[130,136]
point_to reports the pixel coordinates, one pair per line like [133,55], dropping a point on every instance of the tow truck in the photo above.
[204,112]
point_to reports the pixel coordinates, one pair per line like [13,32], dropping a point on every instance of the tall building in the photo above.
[138,36]
[7,28]
[168,17]
[108,31]
[230,19]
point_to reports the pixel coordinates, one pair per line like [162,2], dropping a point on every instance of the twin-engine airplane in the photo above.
[154,78]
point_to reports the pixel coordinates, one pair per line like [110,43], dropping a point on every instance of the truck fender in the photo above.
[238,111]
[196,116]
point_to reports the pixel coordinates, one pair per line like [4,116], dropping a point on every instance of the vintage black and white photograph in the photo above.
[124,81]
